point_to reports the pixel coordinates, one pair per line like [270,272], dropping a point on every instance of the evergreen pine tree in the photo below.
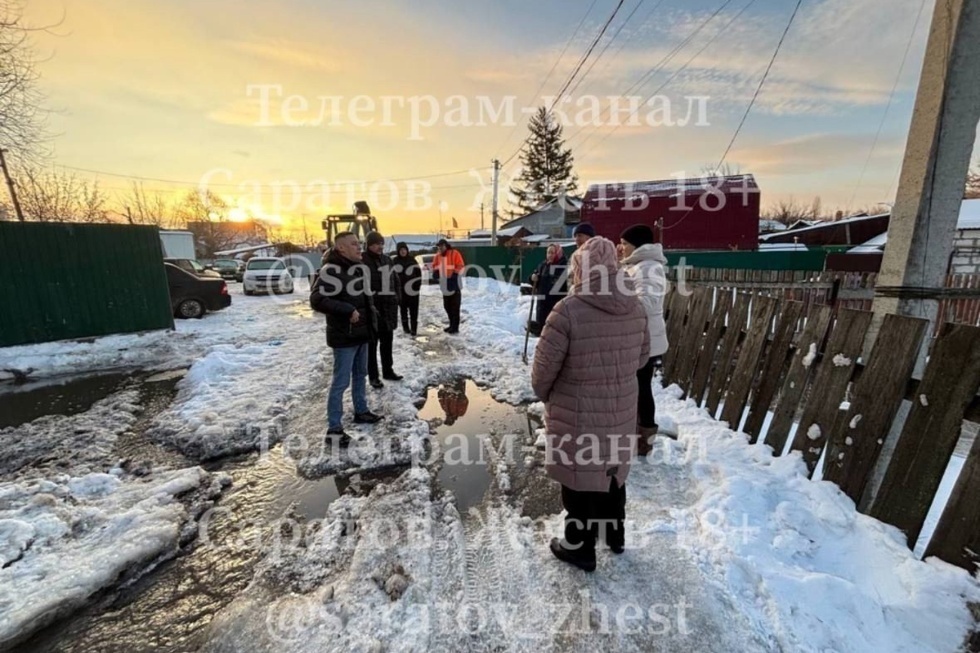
[546,164]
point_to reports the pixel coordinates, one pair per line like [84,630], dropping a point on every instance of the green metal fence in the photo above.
[509,259]
[63,280]
[515,264]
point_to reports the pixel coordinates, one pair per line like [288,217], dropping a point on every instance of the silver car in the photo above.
[266,274]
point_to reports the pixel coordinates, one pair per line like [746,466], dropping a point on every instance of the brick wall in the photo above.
[966,252]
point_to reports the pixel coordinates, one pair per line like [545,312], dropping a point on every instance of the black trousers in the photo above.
[410,313]
[452,302]
[593,516]
[384,337]
[646,411]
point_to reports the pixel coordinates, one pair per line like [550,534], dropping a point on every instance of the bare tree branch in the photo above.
[23,129]
[51,196]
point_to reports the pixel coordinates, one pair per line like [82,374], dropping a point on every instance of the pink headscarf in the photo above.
[597,256]
[554,253]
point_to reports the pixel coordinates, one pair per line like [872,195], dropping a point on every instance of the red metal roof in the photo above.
[731,185]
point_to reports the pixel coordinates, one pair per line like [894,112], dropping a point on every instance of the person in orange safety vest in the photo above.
[447,266]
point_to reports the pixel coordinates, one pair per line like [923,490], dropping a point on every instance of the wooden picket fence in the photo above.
[833,288]
[775,350]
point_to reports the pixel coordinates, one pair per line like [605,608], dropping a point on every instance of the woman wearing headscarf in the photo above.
[550,281]
[644,262]
[585,371]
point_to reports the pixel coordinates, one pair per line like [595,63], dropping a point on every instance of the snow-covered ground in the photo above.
[729,548]
[64,538]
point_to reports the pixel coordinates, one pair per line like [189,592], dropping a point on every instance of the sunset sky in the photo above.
[158,90]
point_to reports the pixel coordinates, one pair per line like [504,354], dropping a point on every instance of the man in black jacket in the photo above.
[385,293]
[410,280]
[342,292]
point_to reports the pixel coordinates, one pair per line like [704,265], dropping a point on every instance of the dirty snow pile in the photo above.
[823,576]
[357,581]
[262,355]
[133,350]
[64,538]
[77,443]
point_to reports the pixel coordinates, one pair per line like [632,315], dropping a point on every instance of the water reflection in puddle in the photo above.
[461,413]
[20,404]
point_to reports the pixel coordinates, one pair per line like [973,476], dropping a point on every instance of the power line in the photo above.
[575,71]
[615,35]
[587,54]
[229,185]
[653,70]
[891,95]
[748,109]
[762,82]
[632,35]
[548,76]
[677,72]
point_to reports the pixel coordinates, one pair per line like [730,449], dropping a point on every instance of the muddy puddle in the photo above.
[66,395]
[169,608]
[476,434]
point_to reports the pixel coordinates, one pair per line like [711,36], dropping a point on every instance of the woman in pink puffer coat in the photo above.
[585,371]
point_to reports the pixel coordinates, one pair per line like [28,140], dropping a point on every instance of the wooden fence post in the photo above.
[772,370]
[709,349]
[933,426]
[736,322]
[807,349]
[691,337]
[834,372]
[857,438]
[675,326]
[749,359]
[957,536]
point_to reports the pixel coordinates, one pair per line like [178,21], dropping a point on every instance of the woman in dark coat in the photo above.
[550,281]
[410,280]
[385,292]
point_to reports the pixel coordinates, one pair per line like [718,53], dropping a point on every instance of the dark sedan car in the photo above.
[193,267]
[228,268]
[193,296]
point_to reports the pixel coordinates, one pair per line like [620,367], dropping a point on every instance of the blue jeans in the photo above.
[347,362]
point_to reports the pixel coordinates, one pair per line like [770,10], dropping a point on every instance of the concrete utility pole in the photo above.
[937,157]
[11,187]
[493,207]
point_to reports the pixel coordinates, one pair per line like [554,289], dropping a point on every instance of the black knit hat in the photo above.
[400,246]
[638,235]
[584,228]
[374,238]
[443,241]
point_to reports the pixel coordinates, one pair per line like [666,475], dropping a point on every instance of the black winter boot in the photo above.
[580,557]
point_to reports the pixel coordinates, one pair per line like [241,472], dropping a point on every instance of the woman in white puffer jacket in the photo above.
[644,262]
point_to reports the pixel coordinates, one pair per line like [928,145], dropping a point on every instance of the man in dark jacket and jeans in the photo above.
[385,292]
[342,292]
[410,280]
